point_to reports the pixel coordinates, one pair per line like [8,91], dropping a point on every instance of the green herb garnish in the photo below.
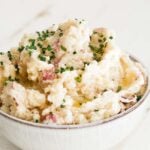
[1,53]
[96,110]
[30,51]
[42,57]
[39,45]
[51,113]
[60,34]
[63,48]
[86,63]
[44,34]
[51,33]
[78,79]
[36,120]
[70,68]
[94,32]
[62,106]
[98,49]
[74,52]
[138,97]
[52,56]
[10,79]
[100,40]
[61,70]
[49,48]
[119,89]
[9,55]
[111,37]
[17,68]
[31,45]
[104,39]
[20,49]
[1,63]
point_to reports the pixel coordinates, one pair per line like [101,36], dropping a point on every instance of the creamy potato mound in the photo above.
[68,74]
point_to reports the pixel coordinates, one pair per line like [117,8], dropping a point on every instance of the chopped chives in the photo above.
[1,53]
[60,34]
[139,97]
[1,63]
[9,55]
[96,110]
[74,52]
[119,88]
[20,49]
[42,58]
[62,106]
[78,79]
[49,48]
[111,37]
[63,48]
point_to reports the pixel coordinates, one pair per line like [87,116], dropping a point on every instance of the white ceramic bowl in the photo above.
[92,136]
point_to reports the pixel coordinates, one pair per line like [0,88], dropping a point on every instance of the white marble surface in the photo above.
[129,18]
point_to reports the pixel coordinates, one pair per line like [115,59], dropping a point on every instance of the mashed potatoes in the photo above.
[68,74]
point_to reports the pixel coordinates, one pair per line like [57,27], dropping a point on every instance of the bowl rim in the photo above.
[86,125]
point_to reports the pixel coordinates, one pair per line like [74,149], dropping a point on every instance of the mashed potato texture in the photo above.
[68,74]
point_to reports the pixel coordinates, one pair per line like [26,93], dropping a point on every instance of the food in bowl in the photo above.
[69,74]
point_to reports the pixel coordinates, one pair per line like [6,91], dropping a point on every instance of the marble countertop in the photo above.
[129,18]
